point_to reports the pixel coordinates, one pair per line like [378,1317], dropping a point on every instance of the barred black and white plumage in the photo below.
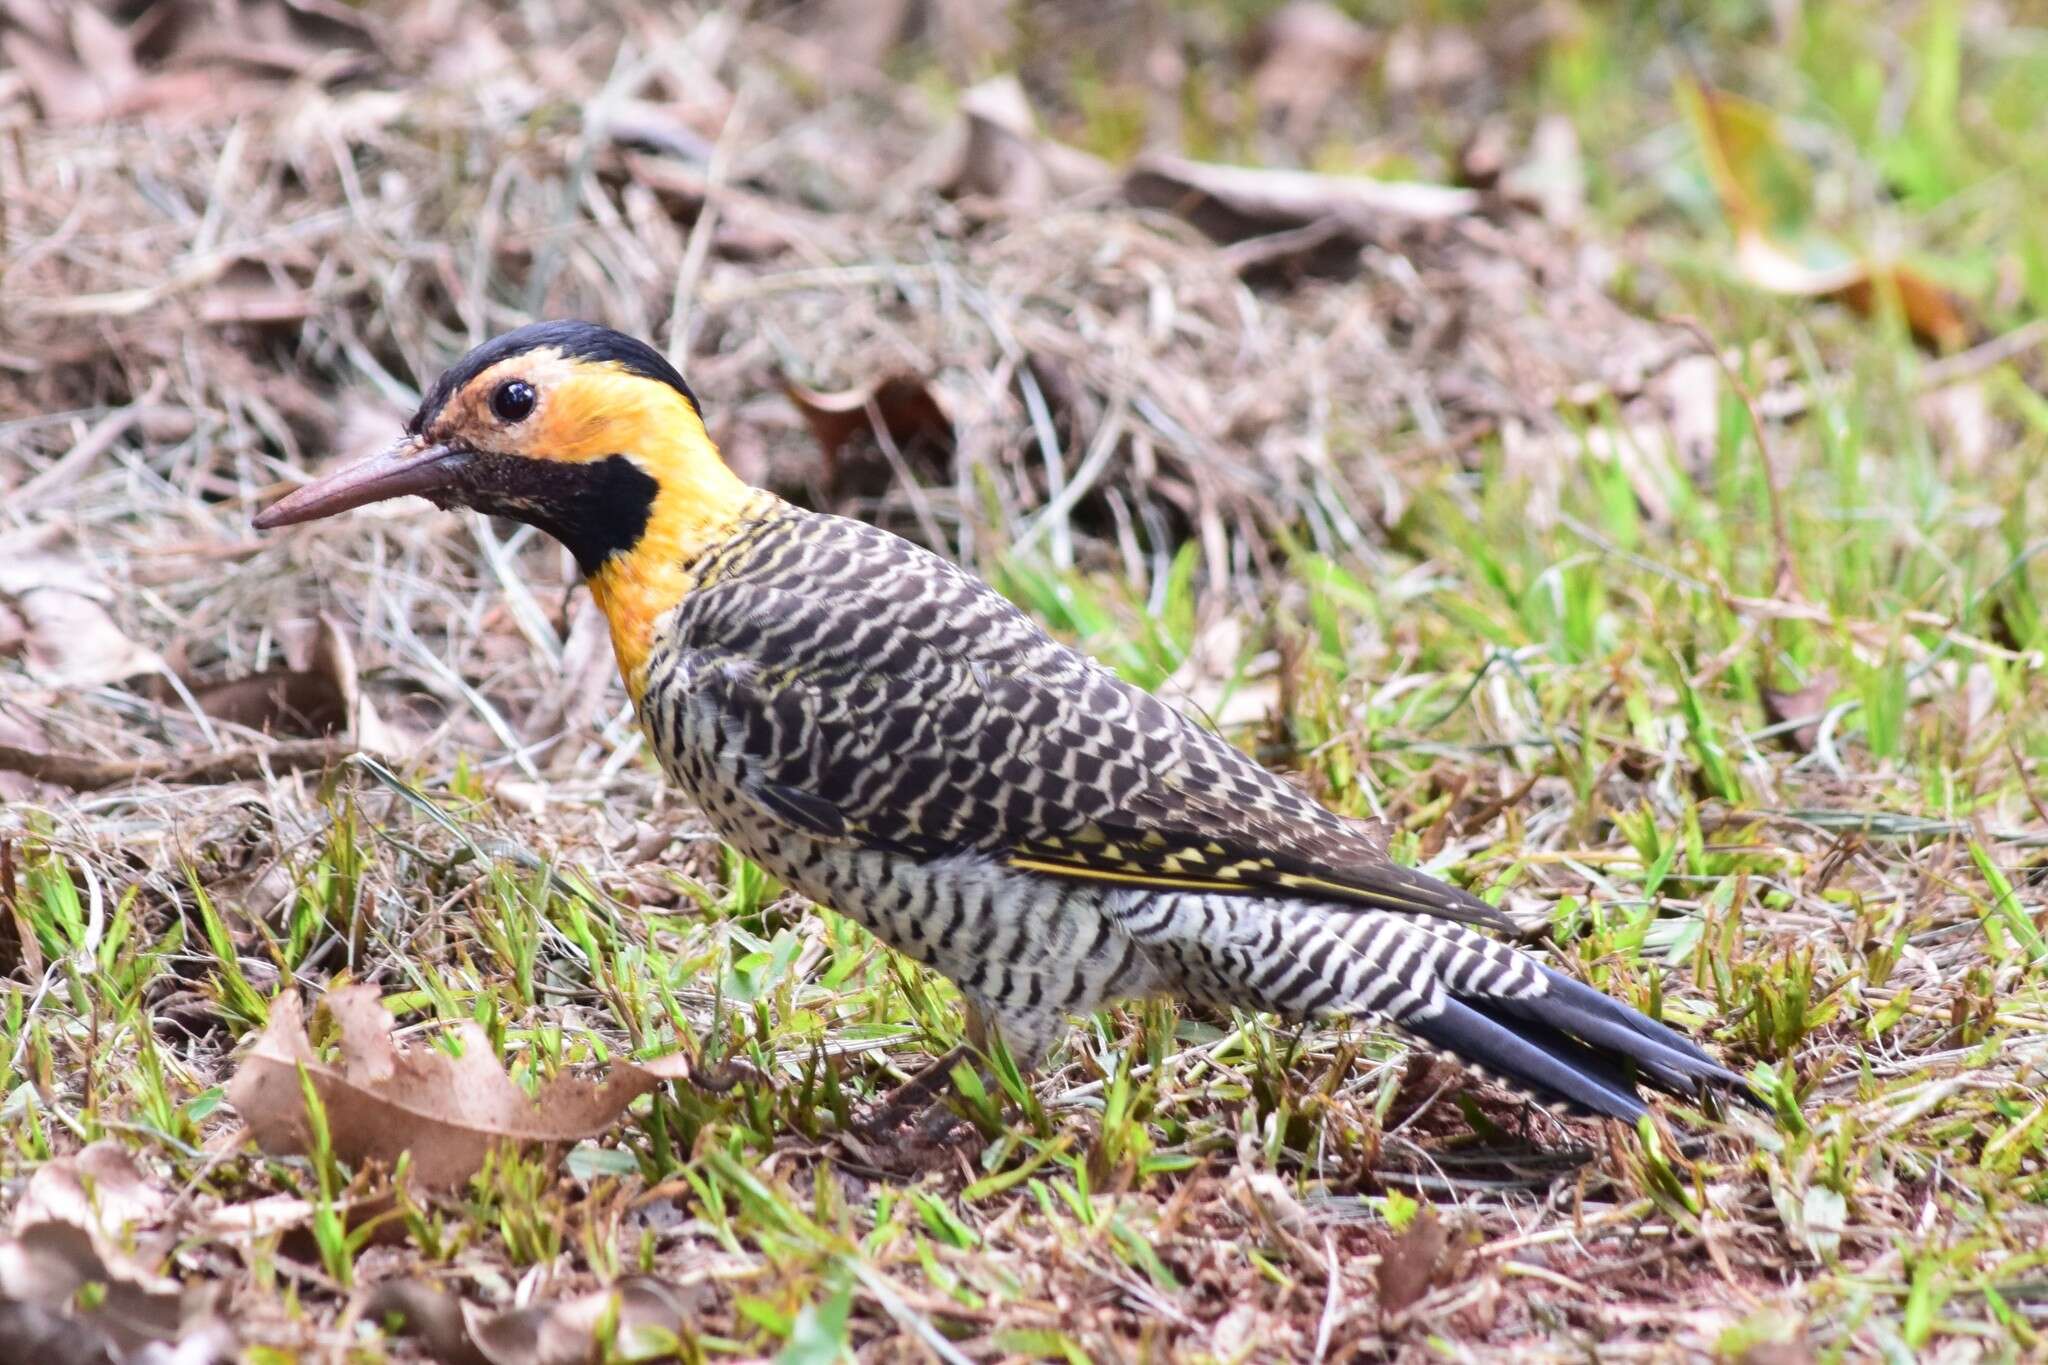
[890,737]
[894,739]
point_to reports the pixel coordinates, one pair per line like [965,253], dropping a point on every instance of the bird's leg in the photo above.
[924,1095]
[920,1092]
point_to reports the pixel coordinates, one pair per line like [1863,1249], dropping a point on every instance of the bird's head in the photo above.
[587,434]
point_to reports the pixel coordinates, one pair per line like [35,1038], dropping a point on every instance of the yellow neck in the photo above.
[699,505]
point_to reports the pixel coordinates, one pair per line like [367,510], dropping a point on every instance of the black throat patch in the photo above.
[596,508]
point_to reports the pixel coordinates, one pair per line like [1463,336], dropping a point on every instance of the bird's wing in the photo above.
[933,717]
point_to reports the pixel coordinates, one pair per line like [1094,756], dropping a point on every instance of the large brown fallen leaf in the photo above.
[647,1316]
[278,701]
[1760,186]
[382,1101]
[45,1265]
[1305,219]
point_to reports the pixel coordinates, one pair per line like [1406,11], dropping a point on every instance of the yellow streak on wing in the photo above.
[1291,881]
[1296,881]
[1081,872]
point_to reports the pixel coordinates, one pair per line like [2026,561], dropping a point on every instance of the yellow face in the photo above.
[543,405]
[587,434]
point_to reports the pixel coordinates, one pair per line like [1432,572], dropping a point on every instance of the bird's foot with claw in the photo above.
[913,1128]
[894,1141]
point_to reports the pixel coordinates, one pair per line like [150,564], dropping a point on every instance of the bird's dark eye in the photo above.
[512,400]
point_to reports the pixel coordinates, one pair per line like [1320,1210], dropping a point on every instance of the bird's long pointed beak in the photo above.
[409,466]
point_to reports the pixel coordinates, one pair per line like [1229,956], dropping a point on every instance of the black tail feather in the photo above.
[1531,1057]
[1578,1047]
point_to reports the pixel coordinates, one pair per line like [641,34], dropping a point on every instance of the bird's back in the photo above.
[929,713]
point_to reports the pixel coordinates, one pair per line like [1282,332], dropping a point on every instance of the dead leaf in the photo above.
[61,88]
[31,1332]
[382,1101]
[649,1316]
[103,49]
[848,425]
[45,1265]
[296,39]
[281,701]
[1308,52]
[646,1315]
[1411,1265]
[433,1316]
[99,1188]
[1333,215]
[1934,315]
[1689,391]
[908,410]
[81,73]
[1817,270]
[1808,705]
[1760,187]
[750,227]
[79,1223]
[87,72]
[1764,192]
[335,659]
[255,1218]
[1273,1205]
[69,638]
[1003,159]
[321,697]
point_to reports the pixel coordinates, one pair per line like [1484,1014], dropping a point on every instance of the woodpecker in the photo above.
[893,739]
